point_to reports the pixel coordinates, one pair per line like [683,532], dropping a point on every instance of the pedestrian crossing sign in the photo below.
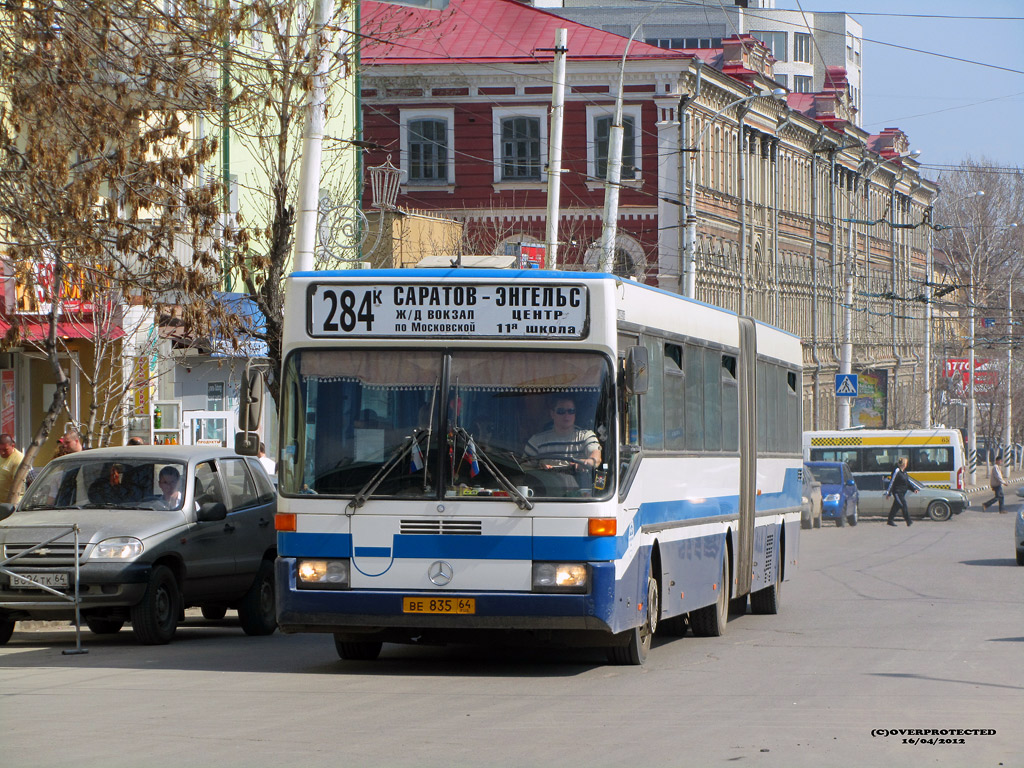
[846,385]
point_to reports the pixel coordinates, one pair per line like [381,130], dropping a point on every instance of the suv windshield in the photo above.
[432,424]
[104,483]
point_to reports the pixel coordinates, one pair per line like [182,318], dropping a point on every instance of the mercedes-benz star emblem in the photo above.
[440,573]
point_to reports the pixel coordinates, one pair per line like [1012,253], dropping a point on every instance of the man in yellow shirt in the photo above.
[10,460]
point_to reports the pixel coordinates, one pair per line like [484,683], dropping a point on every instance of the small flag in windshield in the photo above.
[417,458]
[474,467]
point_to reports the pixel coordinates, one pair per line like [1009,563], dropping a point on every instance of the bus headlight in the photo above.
[560,577]
[323,574]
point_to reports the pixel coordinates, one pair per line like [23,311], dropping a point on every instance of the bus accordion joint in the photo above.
[601,526]
[285,521]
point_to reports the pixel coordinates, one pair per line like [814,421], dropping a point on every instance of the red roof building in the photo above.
[460,99]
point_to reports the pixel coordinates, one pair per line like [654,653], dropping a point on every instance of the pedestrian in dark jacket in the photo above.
[995,479]
[899,484]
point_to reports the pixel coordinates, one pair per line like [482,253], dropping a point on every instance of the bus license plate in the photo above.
[453,605]
[52,580]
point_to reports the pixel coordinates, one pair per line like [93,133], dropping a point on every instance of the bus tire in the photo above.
[634,650]
[939,511]
[766,601]
[710,621]
[357,650]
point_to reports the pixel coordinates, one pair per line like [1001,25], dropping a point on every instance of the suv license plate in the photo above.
[438,605]
[52,580]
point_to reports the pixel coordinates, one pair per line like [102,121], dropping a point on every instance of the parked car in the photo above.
[937,503]
[839,498]
[810,504]
[160,529]
[1018,529]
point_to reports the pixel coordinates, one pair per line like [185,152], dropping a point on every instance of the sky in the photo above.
[950,109]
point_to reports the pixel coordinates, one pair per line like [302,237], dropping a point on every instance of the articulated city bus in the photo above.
[471,454]
[935,456]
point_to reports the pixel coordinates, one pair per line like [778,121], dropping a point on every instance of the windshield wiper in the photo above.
[521,500]
[393,461]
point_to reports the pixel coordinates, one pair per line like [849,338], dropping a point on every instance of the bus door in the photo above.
[744,554]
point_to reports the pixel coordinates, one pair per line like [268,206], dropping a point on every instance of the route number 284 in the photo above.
[342,313]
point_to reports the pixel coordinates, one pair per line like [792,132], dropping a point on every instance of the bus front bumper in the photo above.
[368,611]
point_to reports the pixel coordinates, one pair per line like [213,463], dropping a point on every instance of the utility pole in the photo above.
[555,146]
[313,138]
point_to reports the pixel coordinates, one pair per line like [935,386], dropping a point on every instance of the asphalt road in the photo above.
[882,628]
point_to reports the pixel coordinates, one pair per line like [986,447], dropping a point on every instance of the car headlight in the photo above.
[560,577]
[323,574]
[118,548]
[832,497]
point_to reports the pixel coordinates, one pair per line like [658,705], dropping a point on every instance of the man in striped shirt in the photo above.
[565,441]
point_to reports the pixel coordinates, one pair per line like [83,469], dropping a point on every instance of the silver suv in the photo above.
[160,528]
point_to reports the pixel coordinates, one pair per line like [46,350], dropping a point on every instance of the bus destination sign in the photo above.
[518,311]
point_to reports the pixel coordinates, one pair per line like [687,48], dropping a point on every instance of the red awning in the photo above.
[67,329]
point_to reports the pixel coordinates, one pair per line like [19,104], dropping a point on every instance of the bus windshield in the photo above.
[431,424]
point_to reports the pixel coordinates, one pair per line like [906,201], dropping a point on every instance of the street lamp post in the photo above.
[689,259]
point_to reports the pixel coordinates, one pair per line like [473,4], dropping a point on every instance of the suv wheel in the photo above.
[155,617]
[256,612]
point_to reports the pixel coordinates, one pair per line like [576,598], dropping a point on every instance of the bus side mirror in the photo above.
[250,400]
[250,409]
[637,369]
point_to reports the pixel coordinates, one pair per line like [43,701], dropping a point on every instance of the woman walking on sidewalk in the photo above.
[995,478]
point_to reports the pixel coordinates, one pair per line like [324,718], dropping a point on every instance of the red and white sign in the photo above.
[40,300]
[985,376]
[532,256]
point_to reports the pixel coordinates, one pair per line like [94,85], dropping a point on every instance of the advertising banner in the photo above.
[869,407]
[7,402]
[986,376]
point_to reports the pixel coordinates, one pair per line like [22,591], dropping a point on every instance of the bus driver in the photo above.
[564,441]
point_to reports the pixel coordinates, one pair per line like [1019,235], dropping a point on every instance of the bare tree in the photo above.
[102,191]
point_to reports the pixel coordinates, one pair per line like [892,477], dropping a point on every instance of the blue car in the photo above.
[839,497]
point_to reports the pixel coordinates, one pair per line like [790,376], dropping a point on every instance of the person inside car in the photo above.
[111,489]
[169,480]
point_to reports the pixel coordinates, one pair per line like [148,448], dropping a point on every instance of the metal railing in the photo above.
[74,597]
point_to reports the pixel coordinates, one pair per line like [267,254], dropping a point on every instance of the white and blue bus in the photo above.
[466,454]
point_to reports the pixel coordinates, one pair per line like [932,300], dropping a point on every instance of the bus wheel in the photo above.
[710,620]
[766,602]
[634,651]
[939,511]
[357,650]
